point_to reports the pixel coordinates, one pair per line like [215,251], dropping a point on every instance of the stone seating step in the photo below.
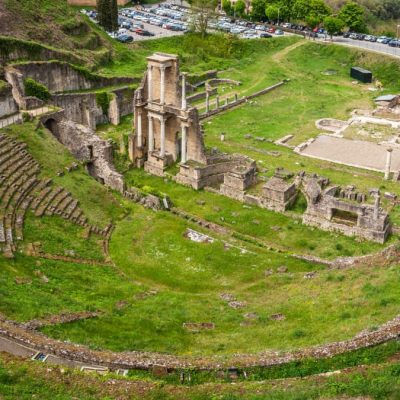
[64,204]
[41,197]
[43,206]
[71,208]
[2,232]
[56,202]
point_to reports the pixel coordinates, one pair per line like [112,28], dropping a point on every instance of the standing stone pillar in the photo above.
[139,129]
[183,144]
[207,101]
[236,97]
[376,206]
[217,102]
[151,134]
[388,163]
[162,137]
[226,101]
[150,82]
[162,84]
[184,103]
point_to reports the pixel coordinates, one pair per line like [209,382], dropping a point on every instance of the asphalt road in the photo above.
[376,47]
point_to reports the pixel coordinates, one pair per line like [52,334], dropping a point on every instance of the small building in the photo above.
[278,194]
[361,74]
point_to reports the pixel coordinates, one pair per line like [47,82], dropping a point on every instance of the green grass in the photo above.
[71,287]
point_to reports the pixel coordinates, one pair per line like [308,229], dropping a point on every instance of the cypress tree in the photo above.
[113,15]
[108,14]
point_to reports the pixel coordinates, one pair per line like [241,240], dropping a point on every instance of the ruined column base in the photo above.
[156,165]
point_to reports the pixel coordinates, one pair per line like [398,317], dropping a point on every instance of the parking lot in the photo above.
[167,19]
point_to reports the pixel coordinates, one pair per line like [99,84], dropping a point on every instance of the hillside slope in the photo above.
[53,23]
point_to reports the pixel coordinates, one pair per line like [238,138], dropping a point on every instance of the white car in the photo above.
[260,28]
[122,31]
[382,39]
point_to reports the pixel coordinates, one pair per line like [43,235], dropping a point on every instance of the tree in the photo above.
[113,15]
[333,25]
[204,10]
[240,8]
[301,9]
[312,21]
[353,16]
[272,12]
[107,11]
[227,7]
[258,9]
[319,9]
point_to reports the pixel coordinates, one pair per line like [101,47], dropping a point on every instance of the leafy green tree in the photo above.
[272,12]
[312,21]
[301,9]
[333,25]
[319,9]
[258,9]
[240,8]
[353,15]
[227,7]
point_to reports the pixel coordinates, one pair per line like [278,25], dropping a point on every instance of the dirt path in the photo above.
[278,57]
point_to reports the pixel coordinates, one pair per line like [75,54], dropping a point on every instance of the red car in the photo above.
[271,30]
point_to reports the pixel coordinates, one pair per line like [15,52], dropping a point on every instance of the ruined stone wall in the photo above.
[61,77]
[8,106]
[80,108]
[86,146]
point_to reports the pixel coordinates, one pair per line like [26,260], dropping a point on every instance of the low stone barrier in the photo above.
[240,101]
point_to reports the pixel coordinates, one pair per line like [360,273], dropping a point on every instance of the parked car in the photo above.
[394,43]
[279,32]
[265,35]
[143,32]
[125,38]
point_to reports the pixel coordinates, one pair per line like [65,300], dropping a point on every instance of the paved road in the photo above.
[376,47]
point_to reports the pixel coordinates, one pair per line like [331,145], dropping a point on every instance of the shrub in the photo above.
[36,89]
[103,101]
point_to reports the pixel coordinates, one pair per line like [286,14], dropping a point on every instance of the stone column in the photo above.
[207,101]
[388,163]
[217,102]
[236,97]
[162,137]
[226,101]
[139,129]
[151,134]
[162,84]
[376,206]
[183,144]
[184,104]
[150,82]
